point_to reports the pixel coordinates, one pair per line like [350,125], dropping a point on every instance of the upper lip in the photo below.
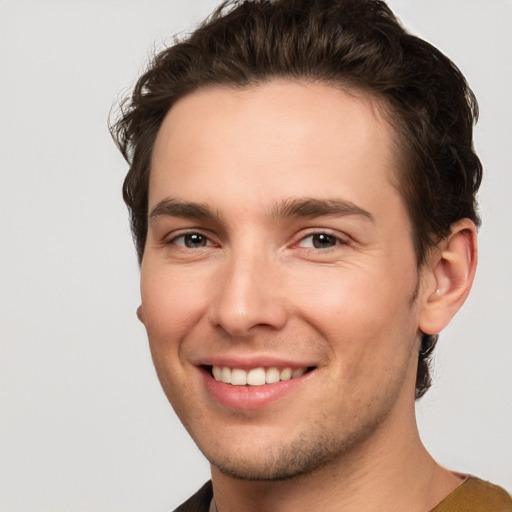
[253,361]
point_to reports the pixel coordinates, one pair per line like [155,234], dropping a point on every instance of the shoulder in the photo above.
[199,502]
[475,495]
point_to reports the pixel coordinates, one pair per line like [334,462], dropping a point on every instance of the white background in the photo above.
[84,425]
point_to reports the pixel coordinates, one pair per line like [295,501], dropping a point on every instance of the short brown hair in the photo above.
[347,43]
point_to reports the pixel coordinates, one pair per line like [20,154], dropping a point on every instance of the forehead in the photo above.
[281,138]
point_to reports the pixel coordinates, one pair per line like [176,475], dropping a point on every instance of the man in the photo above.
[302,194]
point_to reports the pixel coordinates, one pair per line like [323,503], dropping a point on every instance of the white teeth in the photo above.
[286,374]
[273,375]
[238,377]
[226,375]
[217,372]
[255,377]
[298,372]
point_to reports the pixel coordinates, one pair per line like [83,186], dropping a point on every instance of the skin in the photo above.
[337,291]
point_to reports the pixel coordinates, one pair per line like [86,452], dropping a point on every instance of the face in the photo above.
[278,278]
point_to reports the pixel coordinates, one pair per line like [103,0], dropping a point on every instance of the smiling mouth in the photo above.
[255,376]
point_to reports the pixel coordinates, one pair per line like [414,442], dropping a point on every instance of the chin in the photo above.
[284,461]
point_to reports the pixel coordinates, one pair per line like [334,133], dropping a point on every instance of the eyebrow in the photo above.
[311,208]
[299,207]
[177,208]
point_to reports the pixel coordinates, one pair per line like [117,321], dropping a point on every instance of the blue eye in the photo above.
[319,241]
[191,240]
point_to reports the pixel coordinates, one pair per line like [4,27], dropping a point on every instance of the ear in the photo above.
[140,314]
[448,276]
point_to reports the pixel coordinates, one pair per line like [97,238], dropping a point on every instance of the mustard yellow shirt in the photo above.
[473,495]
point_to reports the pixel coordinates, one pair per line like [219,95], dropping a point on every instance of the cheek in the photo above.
[168,312]
[345,299]
[365,316]
[172,301]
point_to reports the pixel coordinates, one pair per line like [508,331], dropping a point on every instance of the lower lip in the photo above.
[250,397]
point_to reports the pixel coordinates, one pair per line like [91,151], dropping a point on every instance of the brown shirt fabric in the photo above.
[473,495]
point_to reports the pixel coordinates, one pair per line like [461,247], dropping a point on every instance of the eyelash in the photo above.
[331,237]
[173,241]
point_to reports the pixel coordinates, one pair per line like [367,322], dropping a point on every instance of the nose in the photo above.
[250,296]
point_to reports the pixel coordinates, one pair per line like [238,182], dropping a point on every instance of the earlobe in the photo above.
[140,314]
[452,270]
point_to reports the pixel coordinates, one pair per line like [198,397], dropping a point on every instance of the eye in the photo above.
[319,241]
[191,241]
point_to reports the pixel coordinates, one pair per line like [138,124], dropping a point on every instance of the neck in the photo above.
[385,473]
